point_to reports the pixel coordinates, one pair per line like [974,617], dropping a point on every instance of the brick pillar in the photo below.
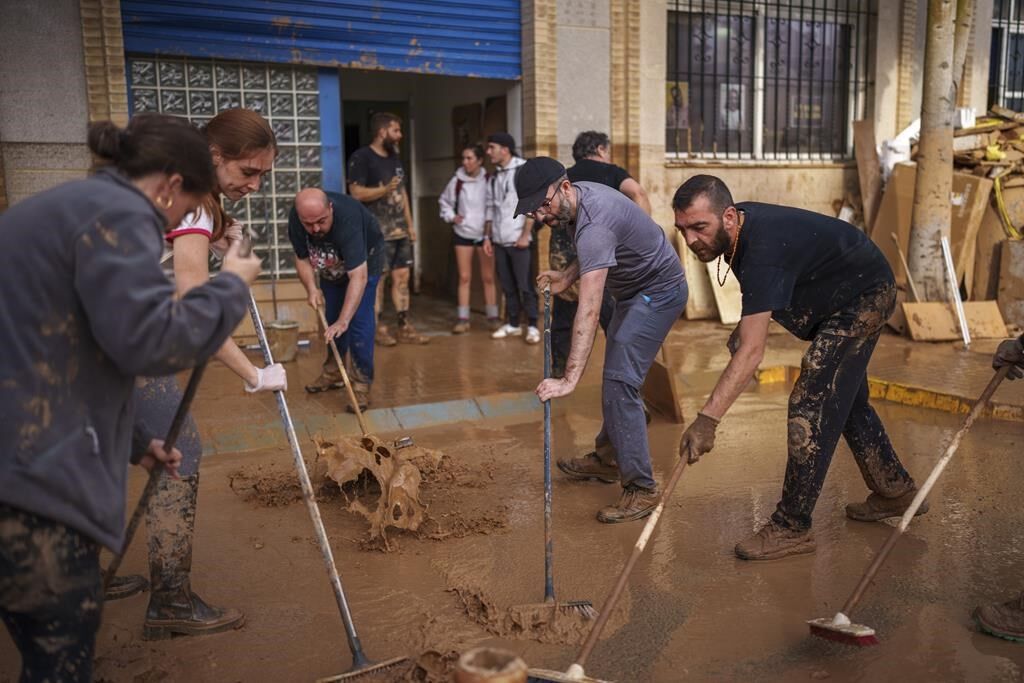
[908,56]
[103,47]
[540,78]
[625,84]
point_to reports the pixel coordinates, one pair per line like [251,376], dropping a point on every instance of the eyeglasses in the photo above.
[545,205]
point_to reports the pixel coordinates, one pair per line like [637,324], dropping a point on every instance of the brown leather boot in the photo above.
[384,337]
[589,466]
[635,503]
[407,334]
[361,389]
[774,541]
[1003,619]
[330,378]
[461,326]
[173,607]
[877,507]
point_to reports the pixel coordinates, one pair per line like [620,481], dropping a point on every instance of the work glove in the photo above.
[699,438]
[1010,352]
[270,378]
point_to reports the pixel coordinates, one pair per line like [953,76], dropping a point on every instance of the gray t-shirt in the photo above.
[613,232]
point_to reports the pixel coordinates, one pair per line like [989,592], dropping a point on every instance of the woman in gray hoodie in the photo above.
[94,311]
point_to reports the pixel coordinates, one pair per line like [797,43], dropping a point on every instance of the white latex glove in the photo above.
[270,378]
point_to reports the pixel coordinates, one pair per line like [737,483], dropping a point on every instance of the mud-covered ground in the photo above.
[691,612]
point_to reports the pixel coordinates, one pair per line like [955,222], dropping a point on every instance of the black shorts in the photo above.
[466,242]
[397,254]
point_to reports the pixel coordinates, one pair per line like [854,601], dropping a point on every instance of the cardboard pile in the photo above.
[987,213]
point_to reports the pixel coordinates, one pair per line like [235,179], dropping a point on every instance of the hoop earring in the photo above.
[160,201]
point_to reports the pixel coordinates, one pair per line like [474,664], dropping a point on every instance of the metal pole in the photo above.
[955,292]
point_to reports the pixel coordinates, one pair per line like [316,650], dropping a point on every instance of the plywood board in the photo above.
[936,321]
[1011,282]
[728,298]
[986,261]
[868,171]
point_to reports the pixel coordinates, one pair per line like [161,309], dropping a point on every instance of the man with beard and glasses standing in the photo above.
[376,178]
[618,246]
[827,283]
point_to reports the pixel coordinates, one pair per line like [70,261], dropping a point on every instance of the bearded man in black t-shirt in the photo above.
[827,283]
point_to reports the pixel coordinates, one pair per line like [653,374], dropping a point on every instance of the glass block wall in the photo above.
[287,95]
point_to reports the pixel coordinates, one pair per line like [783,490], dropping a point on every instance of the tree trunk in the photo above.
[964,24]
[932,211]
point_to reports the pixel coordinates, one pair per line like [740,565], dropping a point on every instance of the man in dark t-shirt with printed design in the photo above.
[592,152]
[827,283]
[377,179]
[618,246]
[335,237]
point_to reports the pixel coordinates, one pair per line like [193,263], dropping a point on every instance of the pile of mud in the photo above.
[392,489]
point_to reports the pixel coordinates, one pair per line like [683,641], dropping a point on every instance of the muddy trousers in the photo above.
[563,313]
[635,334]
[831,399]
[513,267]
[51,596]
[358,339]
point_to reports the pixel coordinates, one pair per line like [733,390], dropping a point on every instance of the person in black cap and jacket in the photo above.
[618,246]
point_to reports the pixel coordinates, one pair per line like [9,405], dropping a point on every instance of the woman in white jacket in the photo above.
[464,205]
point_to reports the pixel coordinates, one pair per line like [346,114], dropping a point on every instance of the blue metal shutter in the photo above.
[454,38]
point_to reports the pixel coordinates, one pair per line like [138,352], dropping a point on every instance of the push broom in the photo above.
[582,608]
[361,665]
[839,628]
[575,673]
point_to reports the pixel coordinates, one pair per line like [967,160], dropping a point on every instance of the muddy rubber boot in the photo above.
[774,541]
[173,608]
[589,466]
[328,380]
[125,587]
[407,334]
[635,503]
[384,338]
[1003,619]
[877,507]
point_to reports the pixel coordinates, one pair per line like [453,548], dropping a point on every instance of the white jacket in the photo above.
[471,202]
[501,204]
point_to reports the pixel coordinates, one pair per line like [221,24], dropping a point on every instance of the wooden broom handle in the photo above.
[344,375]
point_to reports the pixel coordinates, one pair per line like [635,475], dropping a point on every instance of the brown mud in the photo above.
[691,610]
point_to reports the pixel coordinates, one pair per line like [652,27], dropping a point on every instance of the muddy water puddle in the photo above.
[691,611]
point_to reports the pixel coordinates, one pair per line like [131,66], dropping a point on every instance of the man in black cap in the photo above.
[618,246]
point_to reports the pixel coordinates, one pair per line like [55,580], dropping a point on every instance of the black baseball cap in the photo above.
[503,139]
[533,180]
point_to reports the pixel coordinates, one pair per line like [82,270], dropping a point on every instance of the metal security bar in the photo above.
[286,95]
[766,79]
[1006,63]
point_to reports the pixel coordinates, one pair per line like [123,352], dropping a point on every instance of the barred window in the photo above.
[1006,63]
[766,79]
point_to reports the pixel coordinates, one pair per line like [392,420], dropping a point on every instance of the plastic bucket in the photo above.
[283,337]
[491,665]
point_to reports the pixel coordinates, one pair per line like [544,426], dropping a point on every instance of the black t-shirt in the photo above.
[593,171]
[369,169]
[803,266]
[354,239]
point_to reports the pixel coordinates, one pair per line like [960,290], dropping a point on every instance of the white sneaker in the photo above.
[507,331]
[532,335]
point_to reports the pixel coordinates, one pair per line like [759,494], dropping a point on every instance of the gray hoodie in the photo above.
[85,308]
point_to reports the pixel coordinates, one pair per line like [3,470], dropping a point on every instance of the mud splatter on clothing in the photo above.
[50,595]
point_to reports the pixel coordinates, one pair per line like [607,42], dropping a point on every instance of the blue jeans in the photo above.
[637,330]
[358,338]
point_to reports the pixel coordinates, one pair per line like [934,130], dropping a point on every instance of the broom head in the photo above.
[840,629]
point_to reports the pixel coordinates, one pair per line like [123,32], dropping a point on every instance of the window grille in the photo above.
[286,95]
[1006,62]
[766,79]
